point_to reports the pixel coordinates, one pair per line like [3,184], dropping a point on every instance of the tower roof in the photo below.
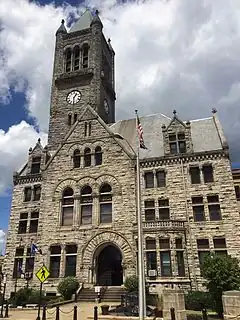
[84,22]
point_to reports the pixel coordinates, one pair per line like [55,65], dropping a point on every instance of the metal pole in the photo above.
[39,303]
[141,273]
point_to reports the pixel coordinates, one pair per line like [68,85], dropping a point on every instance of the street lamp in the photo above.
[4,291]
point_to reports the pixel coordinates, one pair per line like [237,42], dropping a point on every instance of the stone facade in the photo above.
[88,153]
[236,180]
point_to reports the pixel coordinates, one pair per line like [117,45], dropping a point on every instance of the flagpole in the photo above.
[141,273]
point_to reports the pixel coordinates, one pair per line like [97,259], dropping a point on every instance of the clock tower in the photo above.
[83,73]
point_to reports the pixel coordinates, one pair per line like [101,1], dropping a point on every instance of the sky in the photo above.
[170,54]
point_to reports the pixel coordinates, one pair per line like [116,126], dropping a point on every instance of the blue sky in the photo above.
[191,68]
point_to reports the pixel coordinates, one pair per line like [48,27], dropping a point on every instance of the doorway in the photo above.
[109,267]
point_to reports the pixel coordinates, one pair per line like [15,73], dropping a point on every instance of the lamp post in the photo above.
[3,297]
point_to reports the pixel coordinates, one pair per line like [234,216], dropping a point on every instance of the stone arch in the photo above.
[73,148]
[110,237]
[63,185]
[114,183]
[87,181]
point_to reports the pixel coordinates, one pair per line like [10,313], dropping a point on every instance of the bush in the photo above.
[131,284]
[67,287]
[222,274]
[197,300]
[25,296]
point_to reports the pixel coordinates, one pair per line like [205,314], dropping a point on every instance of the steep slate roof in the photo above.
[84,22]
[205,134]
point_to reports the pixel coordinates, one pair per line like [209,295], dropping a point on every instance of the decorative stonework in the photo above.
[109,237]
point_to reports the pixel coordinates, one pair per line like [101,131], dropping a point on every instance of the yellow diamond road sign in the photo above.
[42,274]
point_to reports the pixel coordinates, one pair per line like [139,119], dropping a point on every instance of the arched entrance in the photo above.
[109,266]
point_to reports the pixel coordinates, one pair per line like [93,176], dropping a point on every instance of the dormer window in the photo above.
[36,162]
[177,143]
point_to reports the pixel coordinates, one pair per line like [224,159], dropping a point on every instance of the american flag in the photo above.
[140,133]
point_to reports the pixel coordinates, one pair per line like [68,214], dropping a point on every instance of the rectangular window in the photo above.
[71,261]
[180,264]
[22,226]
[207,173]
[18,262]
[27,194]
[151,260]
[150,244]
[178,243]
[105,212]
[67,215]
[86,214]
[195,175]
[149,179]
[36,193]
[33,228]
[203,243]
[177,143]
[165,258]
[203,250]
[161,178]
[36,162]
[149,210]
[220,246]
[29,265]
[164,212]
[55,259]
[198,209]
[214,208]
[237,191]
[164,243]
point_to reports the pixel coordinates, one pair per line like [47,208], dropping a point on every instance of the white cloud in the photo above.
[169,54]
[2,241]
[14,145]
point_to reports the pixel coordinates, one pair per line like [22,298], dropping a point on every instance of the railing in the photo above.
[163,225]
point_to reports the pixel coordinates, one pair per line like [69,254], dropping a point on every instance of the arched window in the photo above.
[55,260]
[85,52]
[105,201]
[87,157]
[98,156]
[75,117]
[86,205]
[76,58]
[69,119]
[68,60]
[67,207]
[76,158]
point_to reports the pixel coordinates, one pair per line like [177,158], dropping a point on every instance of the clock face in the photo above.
[74,97]
[106,107]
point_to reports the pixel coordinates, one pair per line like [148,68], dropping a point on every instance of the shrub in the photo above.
[24,296]
[67,287]
[197,300]
[131,284]
[222,274]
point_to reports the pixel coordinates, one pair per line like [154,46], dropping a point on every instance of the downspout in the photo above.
[189,230]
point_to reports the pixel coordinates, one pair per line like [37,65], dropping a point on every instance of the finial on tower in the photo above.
[214,110]
[174,113]
[97,12]
[62,28]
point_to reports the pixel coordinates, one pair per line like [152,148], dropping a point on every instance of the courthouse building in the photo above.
[75,198]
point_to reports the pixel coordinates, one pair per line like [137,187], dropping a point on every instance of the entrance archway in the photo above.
[109,267]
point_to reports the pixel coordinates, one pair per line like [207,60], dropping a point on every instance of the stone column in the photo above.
[173,299]
[231,304]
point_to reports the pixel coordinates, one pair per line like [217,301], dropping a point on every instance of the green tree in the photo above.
[222,274]
[67,287]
